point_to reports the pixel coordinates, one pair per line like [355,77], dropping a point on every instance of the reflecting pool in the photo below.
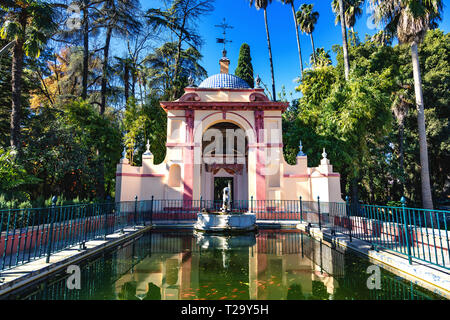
[182,265]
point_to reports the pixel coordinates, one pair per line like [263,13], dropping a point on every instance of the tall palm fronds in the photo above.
[352,10]
[307,19]
[29,24]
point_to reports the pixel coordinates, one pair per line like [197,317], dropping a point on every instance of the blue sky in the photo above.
[249,27]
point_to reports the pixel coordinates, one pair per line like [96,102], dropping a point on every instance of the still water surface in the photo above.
[181,265]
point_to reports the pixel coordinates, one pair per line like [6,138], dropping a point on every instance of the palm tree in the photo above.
[307,19]
[352,10]
[160,68]
[409,21]
[180,19]
[29,24]
[291,2]
[262,4]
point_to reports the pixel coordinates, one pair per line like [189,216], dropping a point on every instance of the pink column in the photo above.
[188,157]
[260,178]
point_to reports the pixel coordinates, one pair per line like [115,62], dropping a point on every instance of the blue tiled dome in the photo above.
[224,80]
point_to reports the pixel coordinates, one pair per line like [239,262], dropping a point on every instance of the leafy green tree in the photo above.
[5,97]
[409,21]
[342,117]
[12,174]
[29,24]
[244,69]
[142,123]
[323,58]
[66,147]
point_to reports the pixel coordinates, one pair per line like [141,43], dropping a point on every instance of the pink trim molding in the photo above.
[140,175]
[309,176]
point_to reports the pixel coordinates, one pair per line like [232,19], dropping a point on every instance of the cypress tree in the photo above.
[244,68]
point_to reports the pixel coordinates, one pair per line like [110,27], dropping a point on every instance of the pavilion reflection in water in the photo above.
[273,264]
[268,265]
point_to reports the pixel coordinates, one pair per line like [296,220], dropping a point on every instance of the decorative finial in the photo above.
[300,153]
[258,81]
[147,152]
[324,154]
[124,153]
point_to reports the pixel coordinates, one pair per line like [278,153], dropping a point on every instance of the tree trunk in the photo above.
[126,81]
[16,86]
[298,39]
[344,40]
[177,59]
[101,178]
[85,50]
[105,69]
[133,83]
[274,98]
[313,48]
[427,200]
[355,197]
[401,131]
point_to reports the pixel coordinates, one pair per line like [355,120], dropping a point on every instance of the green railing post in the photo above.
[318,210]
[135,211]
[200,207]
[408,248]
[251,204]
[151,212]
[347,207]
[50,237]
[301,208]
[106,217]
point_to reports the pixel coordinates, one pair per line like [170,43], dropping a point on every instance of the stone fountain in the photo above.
[225,220]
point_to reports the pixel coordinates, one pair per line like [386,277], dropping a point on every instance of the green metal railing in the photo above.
[27,234]
[420,234]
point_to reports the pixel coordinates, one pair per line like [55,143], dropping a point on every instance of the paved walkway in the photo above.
[21,275]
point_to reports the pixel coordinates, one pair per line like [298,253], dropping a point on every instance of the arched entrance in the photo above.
[224,160]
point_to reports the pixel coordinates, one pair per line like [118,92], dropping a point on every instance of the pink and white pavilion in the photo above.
[224,131]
